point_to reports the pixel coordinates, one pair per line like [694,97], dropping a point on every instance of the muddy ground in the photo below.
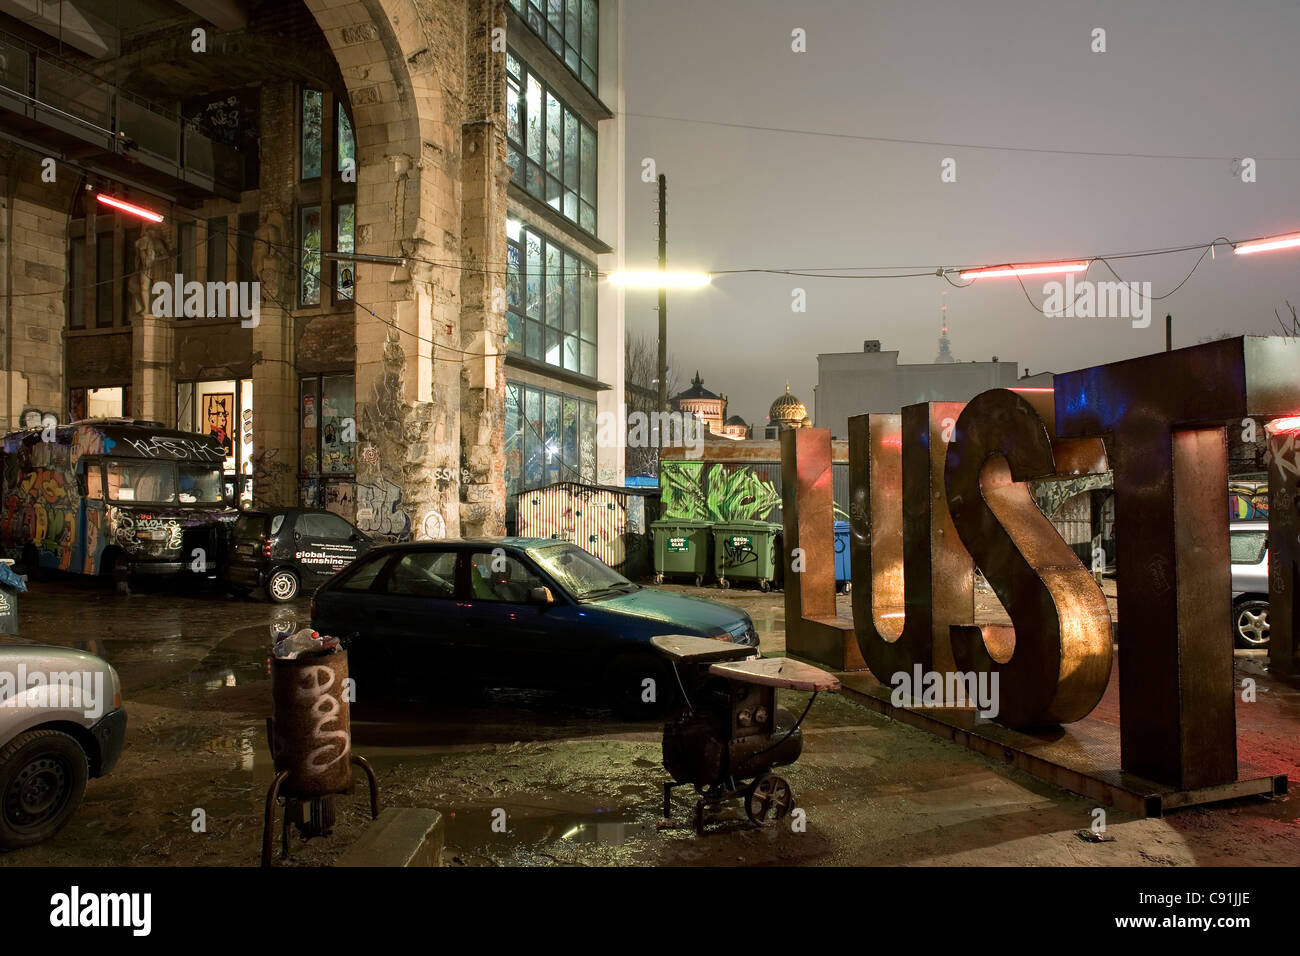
[577,785]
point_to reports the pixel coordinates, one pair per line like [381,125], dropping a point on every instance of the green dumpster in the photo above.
[681,547]
[745,551]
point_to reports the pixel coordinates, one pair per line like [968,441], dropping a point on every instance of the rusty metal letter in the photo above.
[1165,414]
[1053,664]
[1283,546]
[911,576]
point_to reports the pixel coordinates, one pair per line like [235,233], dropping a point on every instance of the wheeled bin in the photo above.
[843,572]
[745,551]
[681,548]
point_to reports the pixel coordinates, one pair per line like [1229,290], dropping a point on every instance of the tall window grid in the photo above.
[571,28]
[550,301]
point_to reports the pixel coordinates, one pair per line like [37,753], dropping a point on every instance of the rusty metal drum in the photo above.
[310,726]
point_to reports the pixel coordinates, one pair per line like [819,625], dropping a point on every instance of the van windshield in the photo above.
[162,482]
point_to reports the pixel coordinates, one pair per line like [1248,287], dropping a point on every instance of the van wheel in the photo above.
[282,586]
[626,687]
[31,562]
[42,782]
[116,570]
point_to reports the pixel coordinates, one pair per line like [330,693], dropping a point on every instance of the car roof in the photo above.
[509,542]
[1249,524]
[268,512]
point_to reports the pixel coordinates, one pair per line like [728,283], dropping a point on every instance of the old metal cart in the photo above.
[729,733]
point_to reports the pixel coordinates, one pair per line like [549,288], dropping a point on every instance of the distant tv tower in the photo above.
[945,356]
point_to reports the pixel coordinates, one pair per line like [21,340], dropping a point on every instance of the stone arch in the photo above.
[408,196]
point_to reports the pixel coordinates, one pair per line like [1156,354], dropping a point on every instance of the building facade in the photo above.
[374,277]
[709,407]
[873,381]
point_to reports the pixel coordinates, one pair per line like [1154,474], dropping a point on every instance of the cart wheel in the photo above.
[769,798]
[848,587]
[764,586]
[699,818]
[699,580]
[659,579]
[724,583]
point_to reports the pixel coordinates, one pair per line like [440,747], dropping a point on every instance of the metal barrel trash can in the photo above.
[310,734]
[843,570]
[311,729]
[745,551]
[681,548]
[11,585]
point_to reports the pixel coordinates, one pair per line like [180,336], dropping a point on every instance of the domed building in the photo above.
[787,412]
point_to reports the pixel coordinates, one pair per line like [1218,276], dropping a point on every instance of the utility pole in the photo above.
[1169,333]
[663,294]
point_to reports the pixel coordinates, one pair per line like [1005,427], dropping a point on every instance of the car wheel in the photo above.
[42,781]
[282,586]
[626,688]
[1250,624]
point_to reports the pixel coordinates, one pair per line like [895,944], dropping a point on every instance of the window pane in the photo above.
[364,576]
[571,352]
[534,118]
[570,435]
[312,106]
[555,12]
[104,275]
[244,247]
[514,332]
[570,293]
[218,247]
[514,438]
[587,218]
[534,455]
[588,359]
[533,275]
[552,355]
[573,23]
[512,61]
[490,581]
[554,135]
[590,39]
[345,229]
[533,340]
[553,438]
[514,129]
[587,441]
[588,165]
[588,305]
[308,452]
[338,429]
[309,231]
[514,296]
[428,574]
[571,153]
[347,143]
[1247,547]
[554,268]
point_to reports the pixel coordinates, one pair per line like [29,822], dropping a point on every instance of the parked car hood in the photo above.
[680,610]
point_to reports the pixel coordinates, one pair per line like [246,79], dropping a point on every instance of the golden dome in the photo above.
[787,410]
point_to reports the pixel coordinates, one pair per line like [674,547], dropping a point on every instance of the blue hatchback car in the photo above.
[512,612]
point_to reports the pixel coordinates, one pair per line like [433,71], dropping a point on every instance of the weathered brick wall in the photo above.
[33,276]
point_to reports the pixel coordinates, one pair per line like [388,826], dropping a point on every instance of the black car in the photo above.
[283,550]
[513,612]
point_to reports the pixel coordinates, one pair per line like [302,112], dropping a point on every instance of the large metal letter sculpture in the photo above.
[911,576]
[1284,546]
[1054,662]
[813,628]
[1165,413]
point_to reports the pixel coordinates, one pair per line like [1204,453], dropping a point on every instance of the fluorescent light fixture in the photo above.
[1266,245]
[658,280]
[1283,425]
[131,208]
[1027,269]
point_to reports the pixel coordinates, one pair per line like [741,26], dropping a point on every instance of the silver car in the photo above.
[1248,542]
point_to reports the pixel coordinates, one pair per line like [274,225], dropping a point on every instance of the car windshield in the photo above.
[581,574]
[1247,547]
[199,485]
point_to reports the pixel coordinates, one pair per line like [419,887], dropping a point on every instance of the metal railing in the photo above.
[62,95]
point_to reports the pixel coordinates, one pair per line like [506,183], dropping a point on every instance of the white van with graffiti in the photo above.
[116,497]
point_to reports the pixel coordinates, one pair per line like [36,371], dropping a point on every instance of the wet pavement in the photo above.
[574,784]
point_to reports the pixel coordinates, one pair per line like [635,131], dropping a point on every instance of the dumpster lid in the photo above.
[698,650]
[777,672]
[746,524]
[680,523]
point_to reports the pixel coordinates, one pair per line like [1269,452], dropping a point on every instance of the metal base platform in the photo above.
[1082,757]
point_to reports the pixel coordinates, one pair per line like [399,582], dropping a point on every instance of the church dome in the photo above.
[787,411]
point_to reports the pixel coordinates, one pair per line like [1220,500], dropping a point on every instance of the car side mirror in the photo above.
[541,596]
[357,537]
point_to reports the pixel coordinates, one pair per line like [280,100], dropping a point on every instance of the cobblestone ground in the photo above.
[577,785]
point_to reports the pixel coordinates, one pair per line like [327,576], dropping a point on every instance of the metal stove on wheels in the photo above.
[729,732]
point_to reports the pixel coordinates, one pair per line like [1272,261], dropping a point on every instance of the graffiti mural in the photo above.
[379,510]
[723,493]
[1247,499]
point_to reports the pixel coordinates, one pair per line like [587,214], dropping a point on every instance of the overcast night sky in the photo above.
[1191,78]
